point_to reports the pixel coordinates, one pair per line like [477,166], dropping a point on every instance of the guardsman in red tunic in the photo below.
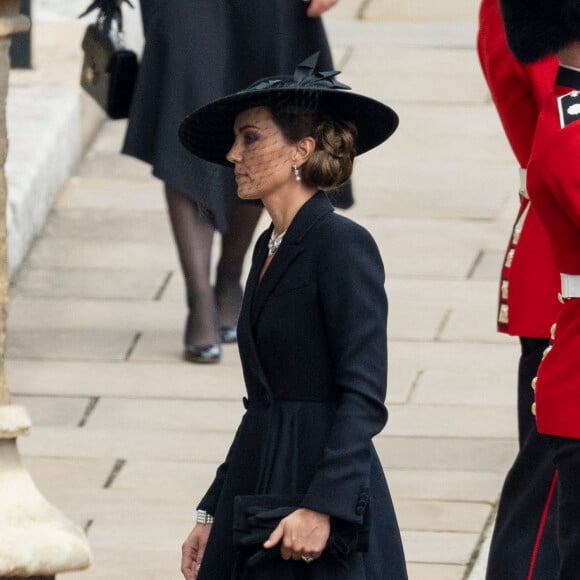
[536,28]
[524,539]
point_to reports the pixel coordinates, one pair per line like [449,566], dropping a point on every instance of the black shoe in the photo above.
[202,354]
[228,334]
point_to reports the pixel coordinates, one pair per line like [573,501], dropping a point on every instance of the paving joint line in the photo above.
[475,264]
[163,286]
[88,411]
[119,464]
[133,345]
[442,325]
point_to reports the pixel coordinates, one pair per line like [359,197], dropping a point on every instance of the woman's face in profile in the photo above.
[261,155]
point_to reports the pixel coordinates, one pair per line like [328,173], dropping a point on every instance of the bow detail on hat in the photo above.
[304,76]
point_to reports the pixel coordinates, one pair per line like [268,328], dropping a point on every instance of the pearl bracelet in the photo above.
[203,517]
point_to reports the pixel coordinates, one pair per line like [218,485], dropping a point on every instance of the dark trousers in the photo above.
[566,456]
[524,541]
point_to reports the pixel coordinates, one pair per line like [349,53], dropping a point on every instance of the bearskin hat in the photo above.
[536,28]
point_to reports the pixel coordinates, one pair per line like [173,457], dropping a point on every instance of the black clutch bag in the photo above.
[256,517]
[109,70]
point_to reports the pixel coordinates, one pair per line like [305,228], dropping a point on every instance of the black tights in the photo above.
[193,232]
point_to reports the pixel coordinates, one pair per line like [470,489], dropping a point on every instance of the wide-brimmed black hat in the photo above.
[537,28]
[209,131]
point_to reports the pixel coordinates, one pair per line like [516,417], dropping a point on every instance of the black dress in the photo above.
[197,51]
[312,340]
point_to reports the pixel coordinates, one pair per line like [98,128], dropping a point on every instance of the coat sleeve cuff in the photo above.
[349,507]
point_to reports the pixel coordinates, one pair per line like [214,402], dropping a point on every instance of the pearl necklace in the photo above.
[274,242]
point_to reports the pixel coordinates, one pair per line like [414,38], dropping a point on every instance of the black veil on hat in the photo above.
[537,28]
[209,131]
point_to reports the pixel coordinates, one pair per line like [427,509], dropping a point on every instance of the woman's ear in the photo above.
[304,149]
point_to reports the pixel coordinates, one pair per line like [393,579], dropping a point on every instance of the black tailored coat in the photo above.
[197,51]
[312,340]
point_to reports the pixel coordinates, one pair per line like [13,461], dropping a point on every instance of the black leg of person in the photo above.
[524,544]
[193,233]
[242,222]
[566,455]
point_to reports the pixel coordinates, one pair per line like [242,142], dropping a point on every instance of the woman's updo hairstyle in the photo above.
[330,165]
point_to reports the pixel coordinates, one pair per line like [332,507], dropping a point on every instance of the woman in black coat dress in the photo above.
[302,494]
[197,51]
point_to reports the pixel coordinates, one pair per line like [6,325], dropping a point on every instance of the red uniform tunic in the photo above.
[530,282]
[554,186]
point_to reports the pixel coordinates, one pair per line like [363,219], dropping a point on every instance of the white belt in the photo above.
[570,286]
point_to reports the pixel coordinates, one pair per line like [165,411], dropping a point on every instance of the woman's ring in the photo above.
[308,559]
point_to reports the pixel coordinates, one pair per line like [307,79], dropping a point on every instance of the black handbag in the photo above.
[109,70]
[256,517]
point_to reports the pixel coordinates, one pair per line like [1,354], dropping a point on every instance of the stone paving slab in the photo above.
[362,34]
[112,165]
[446,485]
[481,387]
[428,76]
[131,564]
[70,253]
[164,477]
[453,247]
[435,572]
[347,9]
[59,476]
[422,10]
[110,224]
[438,547]
[468,325]
[90,504]
[166,414]
[482,454]
[91,283]
[103,193]
[208,447]
[140,380]
[53,411]
[441,516]
[439,420]
[164,535]
[122,315]
[444,453]
[464,359]
[69,344]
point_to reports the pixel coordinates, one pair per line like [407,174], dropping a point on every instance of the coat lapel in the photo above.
[254,374]
[289,250]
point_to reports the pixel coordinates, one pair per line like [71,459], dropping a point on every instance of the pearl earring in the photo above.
[296,172]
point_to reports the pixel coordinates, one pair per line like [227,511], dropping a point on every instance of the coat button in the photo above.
[534,409]
[546,351]
[534,383]
[553,331]
[560,298]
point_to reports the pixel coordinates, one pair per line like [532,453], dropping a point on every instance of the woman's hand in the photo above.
[192,550]
[303,533]
[318,7]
